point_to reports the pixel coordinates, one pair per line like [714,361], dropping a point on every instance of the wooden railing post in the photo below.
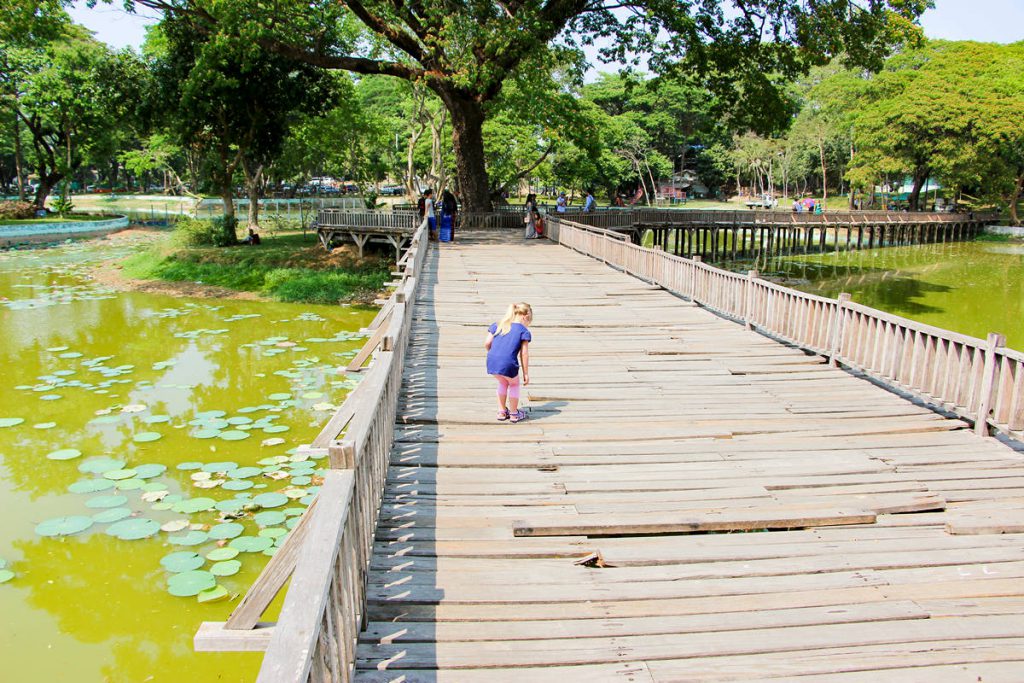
[748,306]
[835,342]
[994,341]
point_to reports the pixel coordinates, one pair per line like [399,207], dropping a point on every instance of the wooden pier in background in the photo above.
[711,485]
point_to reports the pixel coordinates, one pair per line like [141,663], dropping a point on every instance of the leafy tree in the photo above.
[235,103]
[71,94]
[949,110]
[465,52]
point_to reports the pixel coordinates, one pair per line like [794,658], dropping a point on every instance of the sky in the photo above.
[998,21]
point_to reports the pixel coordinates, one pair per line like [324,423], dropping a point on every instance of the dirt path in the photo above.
[110,273]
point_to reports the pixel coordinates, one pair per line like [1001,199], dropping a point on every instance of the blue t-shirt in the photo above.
[503,357]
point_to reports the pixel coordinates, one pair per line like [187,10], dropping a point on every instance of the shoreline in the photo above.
[110,273]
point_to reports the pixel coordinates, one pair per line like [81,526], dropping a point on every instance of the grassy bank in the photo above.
[287,267]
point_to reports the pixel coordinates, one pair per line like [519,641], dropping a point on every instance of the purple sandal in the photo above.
[517,416]
[502,415]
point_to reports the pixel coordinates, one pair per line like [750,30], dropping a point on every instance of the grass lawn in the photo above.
[287,267]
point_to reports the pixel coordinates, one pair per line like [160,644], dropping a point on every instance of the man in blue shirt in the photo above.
[589,202]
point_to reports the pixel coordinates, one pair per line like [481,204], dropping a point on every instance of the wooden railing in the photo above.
[344,218]
[625,218]
[978,379]
[327,553]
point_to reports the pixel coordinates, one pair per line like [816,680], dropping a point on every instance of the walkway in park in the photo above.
[651,418]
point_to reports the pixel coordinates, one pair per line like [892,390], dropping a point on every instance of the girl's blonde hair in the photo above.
[522,309]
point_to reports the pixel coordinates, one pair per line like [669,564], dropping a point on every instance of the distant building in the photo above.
[684,185]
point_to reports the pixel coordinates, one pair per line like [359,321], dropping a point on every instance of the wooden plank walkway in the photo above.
[655,428]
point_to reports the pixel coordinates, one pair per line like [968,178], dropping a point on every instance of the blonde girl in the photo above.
[507,344]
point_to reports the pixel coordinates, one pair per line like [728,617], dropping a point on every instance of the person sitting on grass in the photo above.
[253,239]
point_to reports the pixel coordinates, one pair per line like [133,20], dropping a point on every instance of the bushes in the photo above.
[196,232]
[319,286]
[15,210]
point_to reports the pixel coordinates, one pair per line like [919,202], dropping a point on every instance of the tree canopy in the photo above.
[466,51]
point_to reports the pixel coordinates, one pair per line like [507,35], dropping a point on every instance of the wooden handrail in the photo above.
[978,379]
[315,637]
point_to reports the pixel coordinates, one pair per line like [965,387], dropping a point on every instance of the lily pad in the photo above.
[189,583]
[156,419]
[251,544]
[182,561]
[51,397]
[133,529]
[91,486]
[6,575]
[132,484]
[230,505]
[105,502]
[146,437]
[185,466]
[269,518]
[189,538]
[226,466]
[276,429]
[270,500]
[149,470]
[100,465]
[274,441]
[111,515]
[226,531]
[237,485]
[213,594]
[174,526]
[11,421]
[44,425]
[194,505]
[64,454]
[64,526]
[221,554]
[234,435]
[239,420]
[206,433]
[226,568]
[119,474]
[245,472]
[273,532]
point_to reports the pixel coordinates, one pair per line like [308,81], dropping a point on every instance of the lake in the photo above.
[147,465]
[969,287]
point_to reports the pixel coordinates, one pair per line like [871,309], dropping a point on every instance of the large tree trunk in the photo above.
[17,158]
[1018,189]
[253,180]
[47,181]
[468,144]
[920,176]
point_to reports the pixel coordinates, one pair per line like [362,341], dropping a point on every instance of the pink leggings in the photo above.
[507,386]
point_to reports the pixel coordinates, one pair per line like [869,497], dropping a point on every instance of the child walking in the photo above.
[507,344]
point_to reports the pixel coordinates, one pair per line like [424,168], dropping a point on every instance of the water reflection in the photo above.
[971,287]
[93,370]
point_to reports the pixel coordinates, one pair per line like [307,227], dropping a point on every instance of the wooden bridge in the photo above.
[713,235]
[720,479]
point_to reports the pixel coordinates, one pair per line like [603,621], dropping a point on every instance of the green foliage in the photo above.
[310,286]
[63,204]
[198,232]
[951,111]
[16,210]
[286,268]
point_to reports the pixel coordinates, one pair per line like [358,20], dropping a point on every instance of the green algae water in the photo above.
[969,287]
[147,464]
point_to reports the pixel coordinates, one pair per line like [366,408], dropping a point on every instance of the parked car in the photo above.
[392,191]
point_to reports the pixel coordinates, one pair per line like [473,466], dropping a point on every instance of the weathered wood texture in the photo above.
[647,415]
[978,379]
